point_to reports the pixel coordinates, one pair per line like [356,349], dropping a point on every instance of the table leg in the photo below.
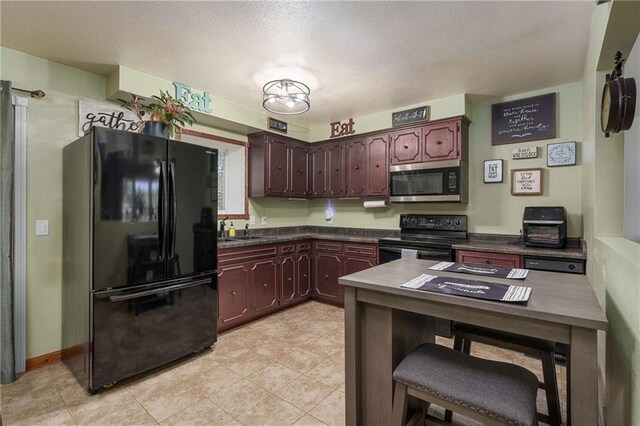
[583,377]
[376,340]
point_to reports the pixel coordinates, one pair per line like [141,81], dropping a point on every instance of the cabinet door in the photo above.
[405,146]
[264,291]
[233,294]
[378,165]
[440,141]
[485,258]
[318,172]
[299,170]
[356,168]
[287,280]
[327,272]
[303,269]
[277,167]
[355,264]
[335,167]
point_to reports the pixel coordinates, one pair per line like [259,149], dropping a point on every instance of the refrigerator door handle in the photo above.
[174,207]
[162,207]
[115,299]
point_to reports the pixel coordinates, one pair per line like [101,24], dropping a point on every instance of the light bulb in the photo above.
[300,96]
[272,100]
[291,104]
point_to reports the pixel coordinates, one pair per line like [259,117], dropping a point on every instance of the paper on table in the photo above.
[409,254]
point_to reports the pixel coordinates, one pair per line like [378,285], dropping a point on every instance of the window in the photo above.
[232,172]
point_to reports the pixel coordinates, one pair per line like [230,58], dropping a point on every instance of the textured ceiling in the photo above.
[357,57]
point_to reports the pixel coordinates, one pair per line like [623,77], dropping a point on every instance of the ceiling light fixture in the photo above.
[286,97]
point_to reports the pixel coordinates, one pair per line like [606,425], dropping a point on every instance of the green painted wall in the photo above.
[614,262]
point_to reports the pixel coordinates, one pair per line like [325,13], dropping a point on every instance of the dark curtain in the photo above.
[7,142]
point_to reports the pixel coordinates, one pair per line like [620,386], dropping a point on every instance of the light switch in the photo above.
[264,220]
[42,227]
[252,220]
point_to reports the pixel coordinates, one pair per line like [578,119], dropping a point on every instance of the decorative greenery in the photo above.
[164,108]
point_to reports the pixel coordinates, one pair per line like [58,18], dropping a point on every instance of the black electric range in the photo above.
[431,236]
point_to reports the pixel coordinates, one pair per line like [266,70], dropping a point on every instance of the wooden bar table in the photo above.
[384,322]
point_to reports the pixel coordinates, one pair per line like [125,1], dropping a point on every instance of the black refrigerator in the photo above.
[139,253]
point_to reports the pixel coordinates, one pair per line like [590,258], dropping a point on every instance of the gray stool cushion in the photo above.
[529,342]
[501,390]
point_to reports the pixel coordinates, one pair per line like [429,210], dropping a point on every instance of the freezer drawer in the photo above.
[146,327]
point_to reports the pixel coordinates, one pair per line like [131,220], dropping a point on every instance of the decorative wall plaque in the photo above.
[342,129]
[524,120]
[526,181]
[409,116]
[561,154]
[105,115]
[280,126]
[524,153]
[493,171]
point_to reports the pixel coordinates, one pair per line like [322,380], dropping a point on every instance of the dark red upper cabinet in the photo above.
[405,146]
[277,167]
[356,168]
[318,171]
[377,165]
[299,170]
[335,169]
[440,141]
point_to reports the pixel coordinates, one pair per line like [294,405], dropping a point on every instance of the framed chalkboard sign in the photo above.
[524,120]
[407,116]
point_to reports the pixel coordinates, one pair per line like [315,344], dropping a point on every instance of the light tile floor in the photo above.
[286,369]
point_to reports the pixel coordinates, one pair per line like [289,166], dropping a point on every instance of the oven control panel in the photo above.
[433,222]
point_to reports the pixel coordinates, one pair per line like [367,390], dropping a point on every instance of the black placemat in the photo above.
[470,288]
[486,271]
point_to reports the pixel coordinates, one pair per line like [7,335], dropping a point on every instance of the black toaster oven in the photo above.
[544,227]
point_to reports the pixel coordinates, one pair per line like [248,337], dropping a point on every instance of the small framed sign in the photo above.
[526,181]
[493,171]
[409,116]
[524,120]
[561,154]
[280,126]
[524,153]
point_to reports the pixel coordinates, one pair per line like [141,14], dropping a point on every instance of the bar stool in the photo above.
[464,334]
[493,392]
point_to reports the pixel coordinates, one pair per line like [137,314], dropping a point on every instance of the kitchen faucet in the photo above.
[246,229]
[222,225]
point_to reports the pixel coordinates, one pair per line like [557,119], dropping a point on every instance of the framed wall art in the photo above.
[493,171]
[561,154]
[526,181]
[523,120]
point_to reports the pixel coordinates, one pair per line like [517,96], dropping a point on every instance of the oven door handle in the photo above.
[114,299]
[442,253]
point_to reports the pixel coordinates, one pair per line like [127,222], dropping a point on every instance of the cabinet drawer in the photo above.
[288,248]
[304,247]
[327,246]
[365,250]
[488,258]
[245,254]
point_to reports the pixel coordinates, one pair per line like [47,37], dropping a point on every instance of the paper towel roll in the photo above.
[375,204]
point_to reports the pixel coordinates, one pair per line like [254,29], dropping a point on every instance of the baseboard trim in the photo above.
[52,357]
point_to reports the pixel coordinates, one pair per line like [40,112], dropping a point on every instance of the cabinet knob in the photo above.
[279,167]
[357,167]
[265,285]
[406,147]
[299,171]
[304,275]
[377,165]
[336,170]
[326,277]
[319,171]
[438,142]
[233,293]
[288,279]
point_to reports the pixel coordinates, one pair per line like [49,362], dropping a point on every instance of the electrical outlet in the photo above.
[264,220]
[42,227]
[252,220]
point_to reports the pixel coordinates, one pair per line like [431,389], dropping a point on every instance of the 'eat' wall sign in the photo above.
[524,120]
[194,100]
[342,129]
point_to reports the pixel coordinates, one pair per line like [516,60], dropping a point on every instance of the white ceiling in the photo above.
[357,57]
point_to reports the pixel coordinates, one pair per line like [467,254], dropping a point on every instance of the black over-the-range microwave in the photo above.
[433,182]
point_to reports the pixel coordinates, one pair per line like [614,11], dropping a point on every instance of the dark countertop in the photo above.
[576,248]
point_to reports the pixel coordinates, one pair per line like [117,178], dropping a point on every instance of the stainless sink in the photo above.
[246,237]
